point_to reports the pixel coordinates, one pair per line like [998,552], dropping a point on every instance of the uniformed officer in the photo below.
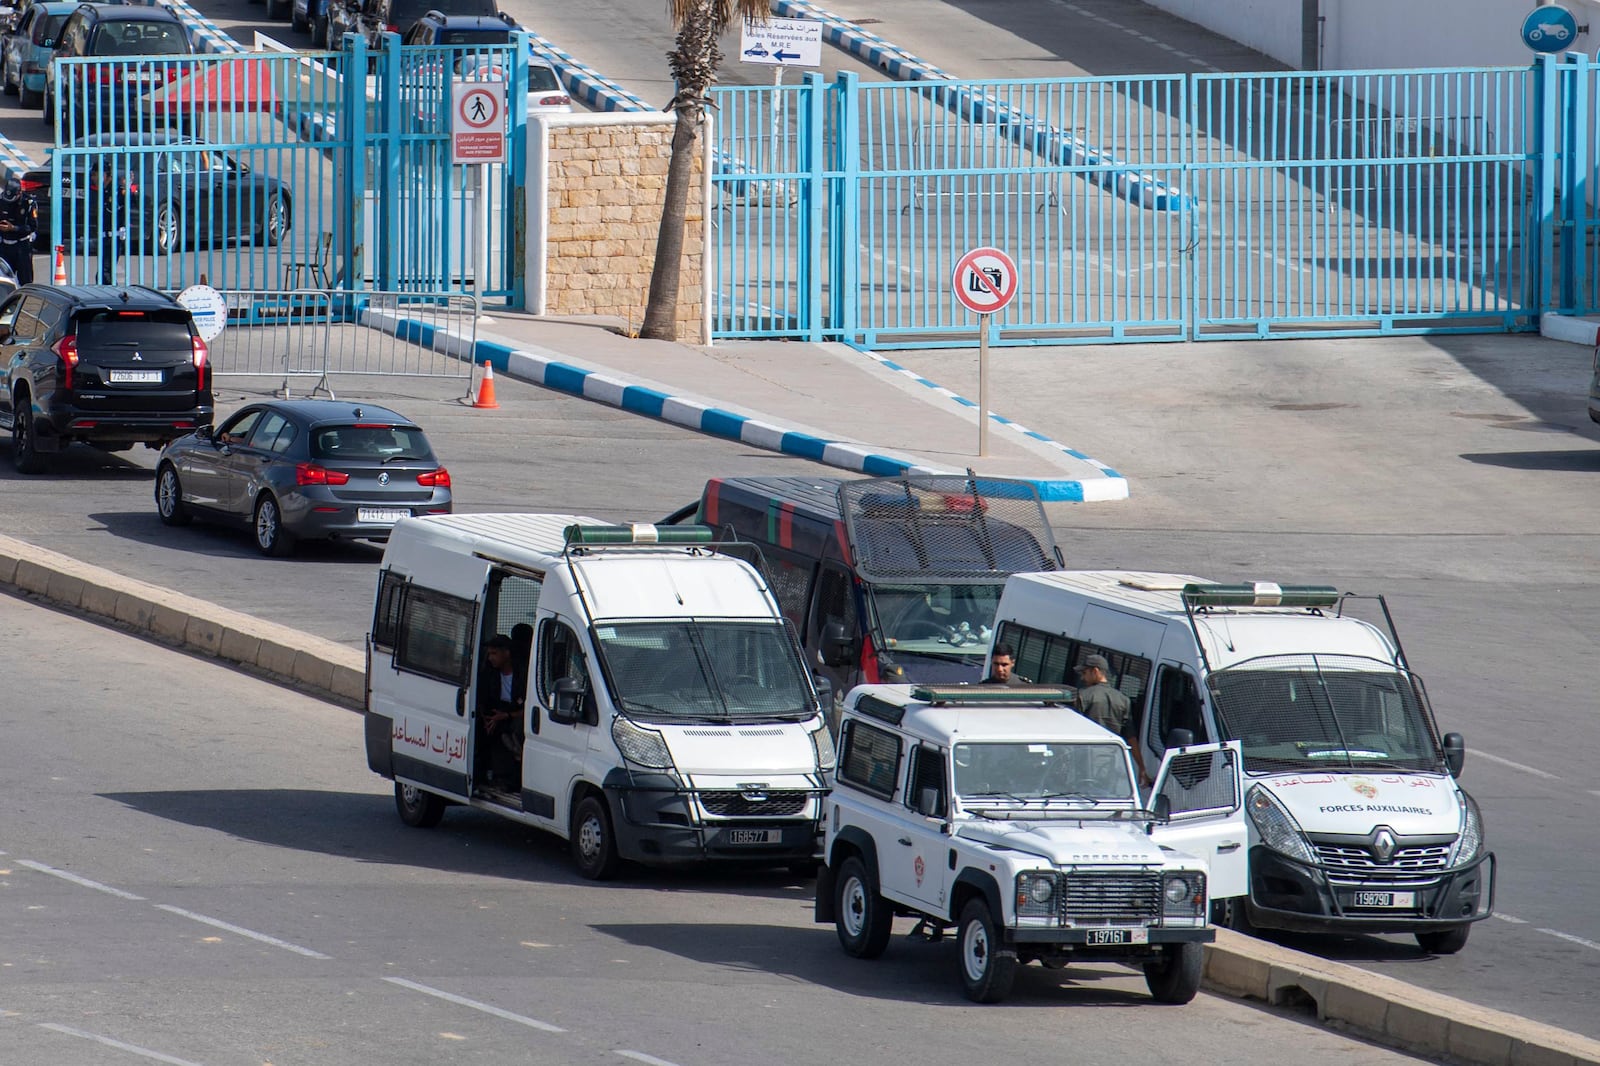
[1104,705]
[18,226]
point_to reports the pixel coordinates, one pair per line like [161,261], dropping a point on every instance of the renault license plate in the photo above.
[382,514]
[1386,899]
[136,377]
[1117,936]
[755,836]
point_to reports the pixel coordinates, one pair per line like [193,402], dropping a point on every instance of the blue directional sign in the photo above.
[1549,29]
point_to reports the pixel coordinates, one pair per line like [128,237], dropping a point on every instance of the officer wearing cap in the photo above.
[1103,704]
[18,227]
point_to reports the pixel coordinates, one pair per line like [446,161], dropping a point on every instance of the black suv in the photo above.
[139,41]
[438,28]
[111,366]
[371,18]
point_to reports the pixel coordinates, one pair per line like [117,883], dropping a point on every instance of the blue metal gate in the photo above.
[1158,208]
[273,171]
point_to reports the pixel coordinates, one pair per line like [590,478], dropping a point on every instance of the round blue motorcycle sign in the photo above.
[1549,29]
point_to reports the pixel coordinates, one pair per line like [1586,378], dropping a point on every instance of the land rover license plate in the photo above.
[755,836]
[1386,899]
[1117,936]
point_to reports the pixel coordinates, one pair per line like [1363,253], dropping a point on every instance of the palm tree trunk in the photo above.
[666,274]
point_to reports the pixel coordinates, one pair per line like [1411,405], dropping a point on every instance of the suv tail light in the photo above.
[312,474]
[67,349]
[437,479]
[200,357]
[31,185]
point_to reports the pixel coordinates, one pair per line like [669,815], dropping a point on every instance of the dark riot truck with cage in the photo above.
[886,580]
[1356,821]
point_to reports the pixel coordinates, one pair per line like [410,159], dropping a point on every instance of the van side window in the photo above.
[435,635]
[560,656]
[513,598]
[869,758]
[1049,659]
[835,603]
[1176,706]
[791,584]
[927,771]
[386,615]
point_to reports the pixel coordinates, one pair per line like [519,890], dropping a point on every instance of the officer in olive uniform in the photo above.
[1104,705]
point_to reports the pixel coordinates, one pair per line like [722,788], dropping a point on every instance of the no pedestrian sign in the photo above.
[477,121]
[985,280]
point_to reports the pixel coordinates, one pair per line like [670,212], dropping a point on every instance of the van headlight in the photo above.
[1471,836]
[1278,829]
[822,746]
[1036,893]
[1184,894]
[641,746]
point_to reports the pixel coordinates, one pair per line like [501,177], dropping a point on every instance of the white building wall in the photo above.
[1269,26]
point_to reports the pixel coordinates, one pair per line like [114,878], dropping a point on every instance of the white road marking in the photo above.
[1508,918]
[1535,771]
[1569,937]
[75,879]
[649,1060]
[241,931]
[119,1045]
[450,997]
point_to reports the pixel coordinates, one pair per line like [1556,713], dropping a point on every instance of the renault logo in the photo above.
[383,478]
[1383,845]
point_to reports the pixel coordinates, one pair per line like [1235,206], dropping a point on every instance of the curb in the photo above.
[1584,331]
[1344,997]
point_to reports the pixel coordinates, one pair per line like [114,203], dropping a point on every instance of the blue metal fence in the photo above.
[1338,203]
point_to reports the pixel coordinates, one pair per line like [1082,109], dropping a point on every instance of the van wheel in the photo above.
[24,437]
[1444,941]
[862,918]
[594,847]
[1175,976]
[418,809]
[988,968]
[169,498]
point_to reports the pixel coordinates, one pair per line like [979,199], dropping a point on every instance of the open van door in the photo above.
[1204,783]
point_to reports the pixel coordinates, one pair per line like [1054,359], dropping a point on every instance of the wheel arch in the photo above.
[976,884]
[853,840]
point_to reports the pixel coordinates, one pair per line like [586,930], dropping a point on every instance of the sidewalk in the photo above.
[825,402]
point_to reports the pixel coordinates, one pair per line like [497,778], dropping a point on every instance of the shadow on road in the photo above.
[1575,461]
[226,540]
[75,462]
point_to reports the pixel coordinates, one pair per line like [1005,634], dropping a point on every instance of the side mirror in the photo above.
[1455,753]
[838,649]
[1180,738]
[928,802]
[204,432]
[568,701]
[1161,807]
[824,689]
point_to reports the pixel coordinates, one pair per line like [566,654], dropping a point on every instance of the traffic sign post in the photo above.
[985,281]
[780,43]
[478,137]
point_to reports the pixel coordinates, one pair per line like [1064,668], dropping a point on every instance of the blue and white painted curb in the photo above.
[1053,142]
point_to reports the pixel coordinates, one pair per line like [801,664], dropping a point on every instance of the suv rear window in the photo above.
[131,38]
[160,329]
[474,37]
[369,441]
[542,79]
[403,13]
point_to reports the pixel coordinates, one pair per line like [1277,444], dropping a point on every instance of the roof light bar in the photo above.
[1260,594]
[638,533]
[991,695]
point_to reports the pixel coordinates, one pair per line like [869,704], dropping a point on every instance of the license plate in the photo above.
[136,377]
[148,78]
[1386,899]
[755,836]
[1118,936]
[382,514]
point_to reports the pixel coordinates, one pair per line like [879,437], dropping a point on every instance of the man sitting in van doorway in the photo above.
[1104,705]
[502,692]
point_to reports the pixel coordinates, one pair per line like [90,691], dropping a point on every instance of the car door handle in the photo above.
[1227,845]
[906,841]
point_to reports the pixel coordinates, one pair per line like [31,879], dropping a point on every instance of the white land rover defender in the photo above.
[1006,814]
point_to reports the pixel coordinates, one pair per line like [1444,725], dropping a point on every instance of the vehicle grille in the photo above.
[737,805]
[1116,897]
[1410,861]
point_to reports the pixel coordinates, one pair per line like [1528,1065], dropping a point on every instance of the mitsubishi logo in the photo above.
[1383,844]
[383,478]
[137,358]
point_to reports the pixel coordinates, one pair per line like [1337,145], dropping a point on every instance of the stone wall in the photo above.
[595,189]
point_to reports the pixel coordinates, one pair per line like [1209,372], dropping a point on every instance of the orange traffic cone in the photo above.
[486,388]
[60,276]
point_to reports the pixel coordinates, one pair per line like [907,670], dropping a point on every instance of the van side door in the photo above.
[433,667]
[1204,783]
[834,604]
[1174,704]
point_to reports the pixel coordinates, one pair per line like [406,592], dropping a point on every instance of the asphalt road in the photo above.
[198,868]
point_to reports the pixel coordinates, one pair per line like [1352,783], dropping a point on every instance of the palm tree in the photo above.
[694,69]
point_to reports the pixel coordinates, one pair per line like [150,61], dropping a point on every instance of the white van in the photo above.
[1357,824]
[666,712]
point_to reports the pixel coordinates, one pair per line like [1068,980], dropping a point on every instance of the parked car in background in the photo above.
[438,29]
[169,190]
[99,100]
[25,51]
[398,16]
[302,469]
[311,16]
[341,17]
[111,366]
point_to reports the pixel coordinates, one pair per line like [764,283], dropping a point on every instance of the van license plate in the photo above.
[136,377]
[1386,899]
[382,514]
[1117,936]
[755,836]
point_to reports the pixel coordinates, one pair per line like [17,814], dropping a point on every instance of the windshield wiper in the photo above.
[1069,796]
[402,459]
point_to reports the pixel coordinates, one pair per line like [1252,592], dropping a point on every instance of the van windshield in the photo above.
[951,621]
[1325,712]
[703,670]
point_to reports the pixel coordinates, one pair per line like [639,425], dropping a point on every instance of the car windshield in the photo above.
[704,670]
[937,619]
[1298,712]
[1041,772]
[370,441]
[140,39]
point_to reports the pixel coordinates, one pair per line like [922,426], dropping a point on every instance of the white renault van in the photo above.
[666,711]
[1357,824]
